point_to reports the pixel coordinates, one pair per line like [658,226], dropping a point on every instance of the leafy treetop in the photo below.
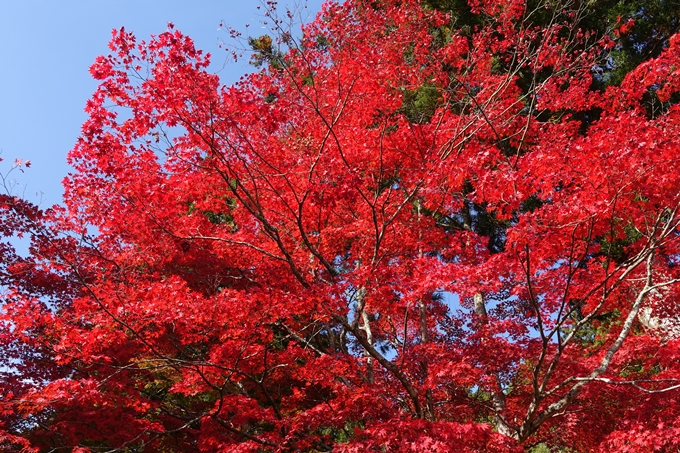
[436,226]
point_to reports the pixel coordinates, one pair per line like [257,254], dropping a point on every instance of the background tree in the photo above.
[270,266]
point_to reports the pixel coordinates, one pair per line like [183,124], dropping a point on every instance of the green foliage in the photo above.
[218,218]
[459,10]
[531,204]
[540,448]
[654,22]
[419,105]
[594,332]
[341,435]
[614,246]
[265,52]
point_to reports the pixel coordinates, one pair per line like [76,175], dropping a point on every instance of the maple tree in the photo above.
[420,227]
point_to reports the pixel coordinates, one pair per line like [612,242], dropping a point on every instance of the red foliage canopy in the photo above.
[397,236]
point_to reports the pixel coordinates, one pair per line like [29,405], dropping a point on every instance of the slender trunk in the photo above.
[429,404]
[366,327]
[497,394]
[422,313]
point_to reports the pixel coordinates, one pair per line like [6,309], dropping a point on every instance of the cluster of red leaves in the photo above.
[300,262]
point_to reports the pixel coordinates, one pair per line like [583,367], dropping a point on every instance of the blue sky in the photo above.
[47,46]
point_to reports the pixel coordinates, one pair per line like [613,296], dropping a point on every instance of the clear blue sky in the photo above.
[47,46]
